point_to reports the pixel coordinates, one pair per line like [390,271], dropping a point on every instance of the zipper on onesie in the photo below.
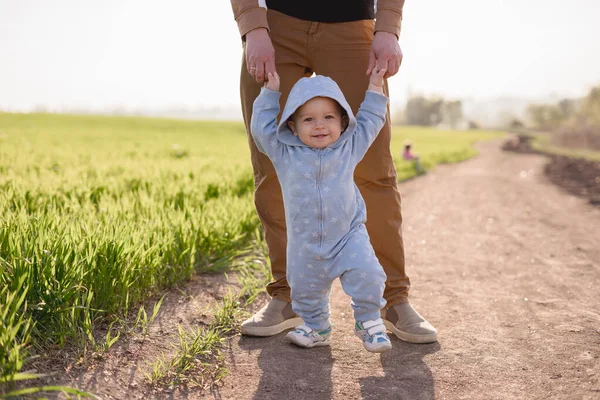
[320,199]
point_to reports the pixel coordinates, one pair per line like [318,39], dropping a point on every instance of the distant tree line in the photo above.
[585,111]
[574,122]
[425,111]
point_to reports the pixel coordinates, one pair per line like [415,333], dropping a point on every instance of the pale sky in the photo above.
[147,53]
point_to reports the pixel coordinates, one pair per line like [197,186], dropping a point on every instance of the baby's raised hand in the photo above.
[272,82]
[376,79]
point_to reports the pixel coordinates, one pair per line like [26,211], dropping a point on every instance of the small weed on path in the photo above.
[198,359]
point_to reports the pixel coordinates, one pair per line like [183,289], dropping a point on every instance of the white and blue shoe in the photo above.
[304,336]
[373,335]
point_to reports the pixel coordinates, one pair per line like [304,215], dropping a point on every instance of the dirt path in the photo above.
[504,264]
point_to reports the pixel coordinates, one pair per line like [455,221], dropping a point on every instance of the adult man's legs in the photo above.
[375,176]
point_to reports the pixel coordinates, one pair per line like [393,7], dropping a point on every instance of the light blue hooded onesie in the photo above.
[324,211]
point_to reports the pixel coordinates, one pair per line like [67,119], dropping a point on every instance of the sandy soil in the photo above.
[504,263]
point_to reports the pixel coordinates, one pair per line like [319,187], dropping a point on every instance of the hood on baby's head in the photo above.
[304,90]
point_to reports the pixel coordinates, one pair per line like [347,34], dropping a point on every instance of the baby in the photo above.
[315,150]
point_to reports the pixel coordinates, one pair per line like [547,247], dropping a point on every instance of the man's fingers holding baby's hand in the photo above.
[260,72]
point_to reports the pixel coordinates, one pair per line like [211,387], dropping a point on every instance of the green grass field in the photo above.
[99,213]
[435,147]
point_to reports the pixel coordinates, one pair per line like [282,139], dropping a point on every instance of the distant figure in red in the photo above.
[409,156]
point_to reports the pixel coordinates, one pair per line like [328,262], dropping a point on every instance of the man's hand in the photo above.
[385,53]
[272,82]
[260,54]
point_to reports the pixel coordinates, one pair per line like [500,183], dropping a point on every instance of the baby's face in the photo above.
[318,122]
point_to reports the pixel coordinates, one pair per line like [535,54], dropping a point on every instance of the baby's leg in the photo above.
[363,280]
[310,290]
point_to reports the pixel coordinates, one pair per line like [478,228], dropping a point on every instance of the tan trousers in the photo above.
[340,51]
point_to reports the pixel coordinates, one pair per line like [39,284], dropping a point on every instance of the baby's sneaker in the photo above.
[306,337]
[374,336]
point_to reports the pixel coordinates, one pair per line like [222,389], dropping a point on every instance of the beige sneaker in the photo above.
[408,325]
[275,317]
[304,336]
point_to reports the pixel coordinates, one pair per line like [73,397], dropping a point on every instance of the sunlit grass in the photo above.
[97,214]
[197,355]
[435,147]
